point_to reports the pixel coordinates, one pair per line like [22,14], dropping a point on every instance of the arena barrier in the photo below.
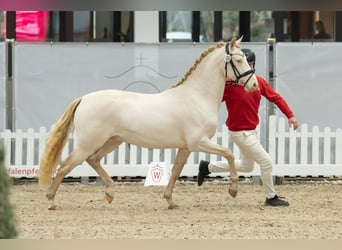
[302,152]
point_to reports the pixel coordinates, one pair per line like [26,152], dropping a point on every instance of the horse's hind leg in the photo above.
[94,161]
[75,158]
[181,157]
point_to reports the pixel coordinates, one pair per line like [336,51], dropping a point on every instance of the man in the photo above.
[241,122]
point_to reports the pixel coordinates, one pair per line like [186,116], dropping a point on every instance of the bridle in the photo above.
[238,75]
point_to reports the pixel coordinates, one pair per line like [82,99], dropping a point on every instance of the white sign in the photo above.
[158,174]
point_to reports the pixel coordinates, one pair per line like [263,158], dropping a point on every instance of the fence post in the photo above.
[338,146]
[327,146]
[304,144]
[7,135]
[315,145]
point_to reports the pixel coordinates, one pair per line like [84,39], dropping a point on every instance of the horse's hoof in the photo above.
[54,207]
[233,193]
[109,198]
[173,206]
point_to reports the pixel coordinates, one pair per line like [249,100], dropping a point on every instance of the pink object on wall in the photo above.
[31,26]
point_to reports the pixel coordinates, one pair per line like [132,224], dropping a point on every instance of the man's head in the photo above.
[250,57]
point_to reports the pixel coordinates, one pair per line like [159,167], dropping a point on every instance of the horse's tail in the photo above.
[55,142]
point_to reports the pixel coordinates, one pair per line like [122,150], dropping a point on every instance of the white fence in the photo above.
[304,152]
[295,153]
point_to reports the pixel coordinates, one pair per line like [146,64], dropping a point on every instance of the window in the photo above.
[81,26]
[262,25]
[207,26]
[109,26]
[178,25]
[323,26]
[230,26]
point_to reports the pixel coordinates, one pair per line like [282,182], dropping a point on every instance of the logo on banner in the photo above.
[158,174]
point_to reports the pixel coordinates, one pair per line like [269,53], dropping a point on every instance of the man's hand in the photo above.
[293,122]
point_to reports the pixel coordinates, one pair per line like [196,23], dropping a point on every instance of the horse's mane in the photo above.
[198,60]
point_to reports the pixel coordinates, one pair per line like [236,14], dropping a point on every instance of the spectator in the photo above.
[320,32]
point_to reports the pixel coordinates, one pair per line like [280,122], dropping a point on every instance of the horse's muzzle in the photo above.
[252,86]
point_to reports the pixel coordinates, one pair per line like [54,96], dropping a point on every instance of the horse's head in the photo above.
[237,67]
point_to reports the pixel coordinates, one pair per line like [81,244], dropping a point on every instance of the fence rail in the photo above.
[302,152]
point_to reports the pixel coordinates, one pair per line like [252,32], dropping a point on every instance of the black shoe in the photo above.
[276,202]
[203,172]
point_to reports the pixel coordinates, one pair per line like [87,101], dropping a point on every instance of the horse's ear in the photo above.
[232,43]
[240,39]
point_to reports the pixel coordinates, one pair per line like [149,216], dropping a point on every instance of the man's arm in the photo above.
[278,100]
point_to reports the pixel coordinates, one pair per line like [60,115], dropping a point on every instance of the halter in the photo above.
[237,74]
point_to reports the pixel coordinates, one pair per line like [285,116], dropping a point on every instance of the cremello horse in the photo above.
[184,116]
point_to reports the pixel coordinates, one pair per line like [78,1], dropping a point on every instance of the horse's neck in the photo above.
[208,80]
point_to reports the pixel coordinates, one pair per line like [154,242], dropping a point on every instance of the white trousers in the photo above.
[251,151]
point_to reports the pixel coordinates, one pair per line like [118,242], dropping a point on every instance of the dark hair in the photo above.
[320,26]
[322,34]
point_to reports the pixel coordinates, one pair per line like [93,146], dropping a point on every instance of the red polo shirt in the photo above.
[243,106]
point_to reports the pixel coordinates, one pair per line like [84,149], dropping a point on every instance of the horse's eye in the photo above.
[239,61]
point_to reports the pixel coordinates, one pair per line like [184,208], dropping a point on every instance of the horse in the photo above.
[184,116]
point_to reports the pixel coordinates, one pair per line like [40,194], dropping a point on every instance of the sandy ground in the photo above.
[206,212]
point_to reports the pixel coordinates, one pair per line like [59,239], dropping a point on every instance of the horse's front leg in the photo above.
[207,146]
[233,189]
[181,157]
